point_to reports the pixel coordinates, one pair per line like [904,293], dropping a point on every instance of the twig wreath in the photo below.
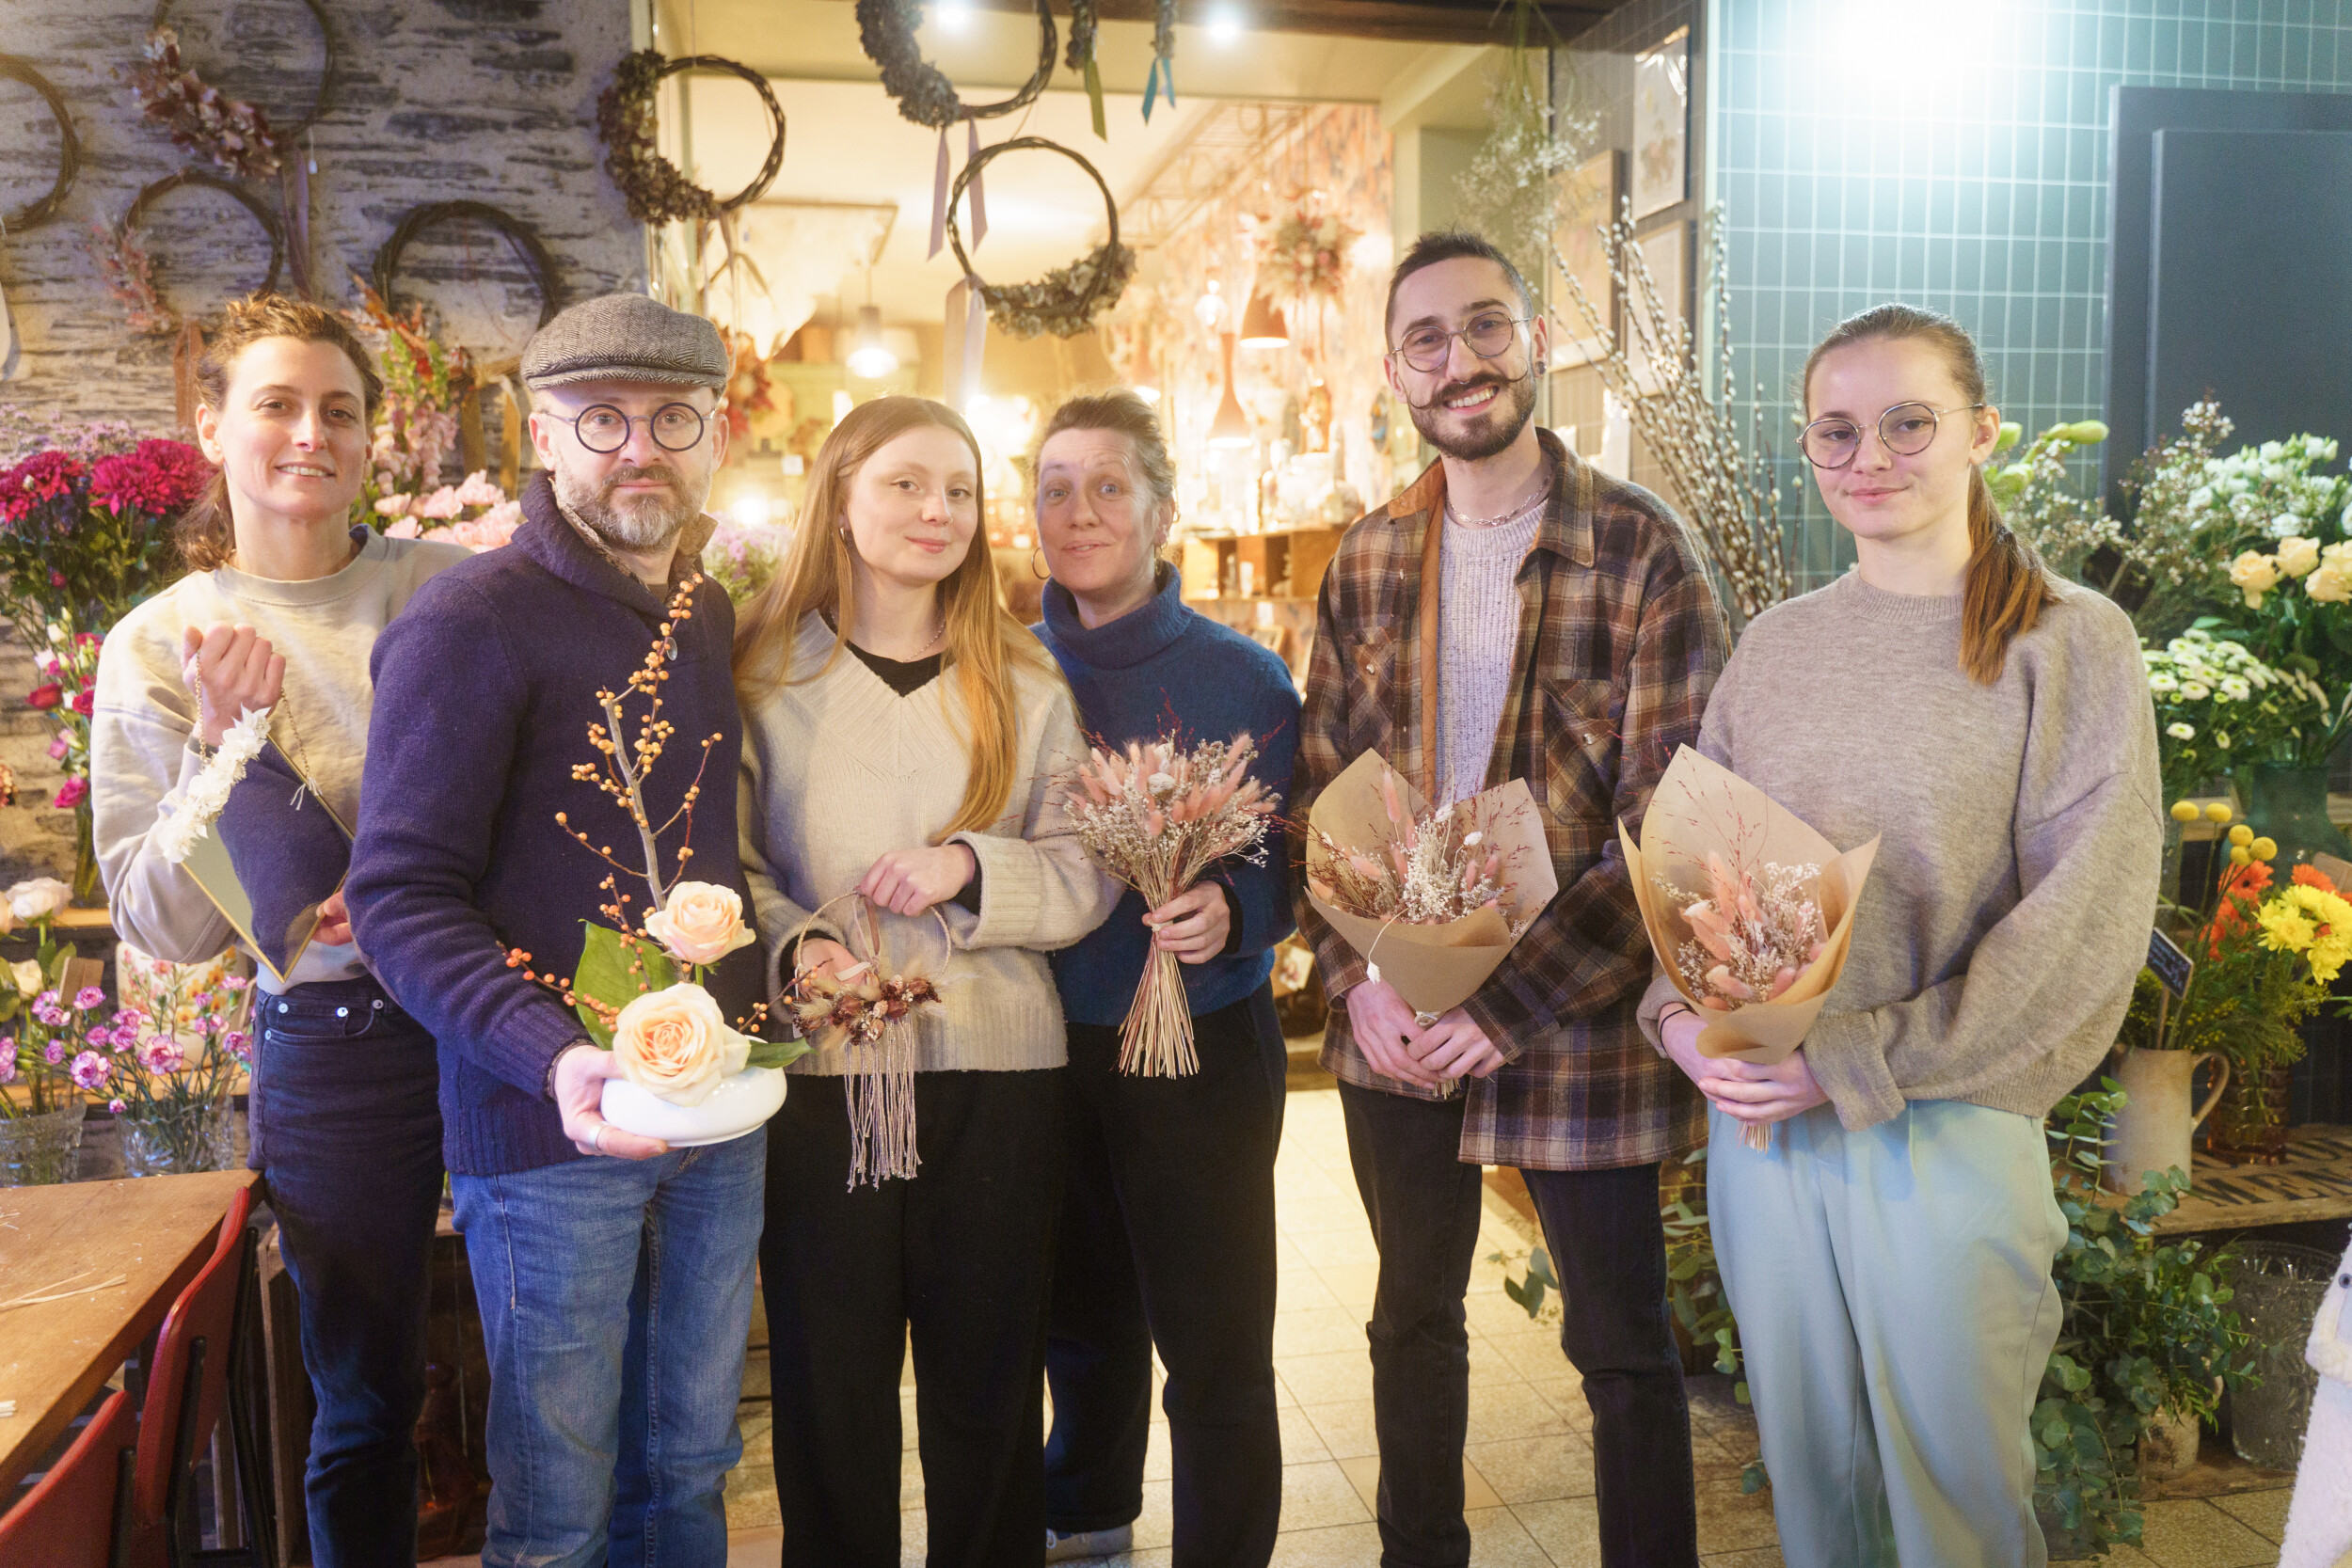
[1065,300]
[34,214]
[520,235]
[921,89]
[122,257]
[654,187]
[200,118]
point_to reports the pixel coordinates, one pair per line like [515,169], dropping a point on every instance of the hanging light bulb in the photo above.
[1231,428]
[1263,324]
[871,360]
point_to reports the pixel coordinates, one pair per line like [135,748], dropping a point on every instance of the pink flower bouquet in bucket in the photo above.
[1158,818]
[1749,911]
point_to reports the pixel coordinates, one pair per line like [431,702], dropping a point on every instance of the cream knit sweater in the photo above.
[840,769]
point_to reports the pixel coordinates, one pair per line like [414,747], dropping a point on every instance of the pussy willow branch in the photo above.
[1728,493]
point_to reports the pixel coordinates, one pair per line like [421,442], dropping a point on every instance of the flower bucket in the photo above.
[2279,1288]
[2290,806]
[176,1137]
[737,1104]
[2154,1130]
[42,1148]
[2250,1125]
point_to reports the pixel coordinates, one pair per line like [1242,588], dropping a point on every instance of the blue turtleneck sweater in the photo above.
[1155,669]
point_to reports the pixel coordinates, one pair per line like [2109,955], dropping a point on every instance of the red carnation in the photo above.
[71,793]
[159,479]
[46,696]
[42,477]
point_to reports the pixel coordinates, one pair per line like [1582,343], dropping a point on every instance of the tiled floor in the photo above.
[1528,1467]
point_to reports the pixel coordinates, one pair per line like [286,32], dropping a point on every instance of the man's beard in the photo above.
[1498,427]
[642,522]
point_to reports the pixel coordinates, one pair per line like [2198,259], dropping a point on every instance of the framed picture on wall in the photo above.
[1661,121]
[1666,254]
[1588,197]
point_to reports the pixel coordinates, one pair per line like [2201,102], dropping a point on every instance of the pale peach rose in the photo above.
[2331,583]
[2299,556]
[699,923]
[677,1044]
[2255,575]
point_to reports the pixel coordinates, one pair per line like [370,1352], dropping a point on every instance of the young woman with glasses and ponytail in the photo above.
[1888,1254]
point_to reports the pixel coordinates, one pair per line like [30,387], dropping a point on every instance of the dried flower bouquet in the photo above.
[1157,817]
[866,1010]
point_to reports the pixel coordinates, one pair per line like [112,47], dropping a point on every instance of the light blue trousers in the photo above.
[1894,1303]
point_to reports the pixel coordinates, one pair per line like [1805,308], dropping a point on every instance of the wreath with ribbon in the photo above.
[921,89]
[520,235]
[123,260]
[1065,300]
[655,188]
[200,118]
[1085,20]
[36,212]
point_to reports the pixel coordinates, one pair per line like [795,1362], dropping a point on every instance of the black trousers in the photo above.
[1610,1250]
[1168,1238]
[347,1133]
[958,1257]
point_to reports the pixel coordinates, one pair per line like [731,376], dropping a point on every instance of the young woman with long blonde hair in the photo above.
[1888,1253]
[901,731]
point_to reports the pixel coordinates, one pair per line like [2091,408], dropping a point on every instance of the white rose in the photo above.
[27,977]
[38,897]
[700,922]
[676,1043]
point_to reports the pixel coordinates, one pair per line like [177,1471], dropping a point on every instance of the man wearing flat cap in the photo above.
[614,1273]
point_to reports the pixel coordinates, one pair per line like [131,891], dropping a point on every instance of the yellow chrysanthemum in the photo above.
[2312,922]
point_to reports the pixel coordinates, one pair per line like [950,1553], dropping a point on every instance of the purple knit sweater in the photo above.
[484,688]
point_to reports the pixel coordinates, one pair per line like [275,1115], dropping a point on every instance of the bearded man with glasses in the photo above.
[614,1273]
[1513,614]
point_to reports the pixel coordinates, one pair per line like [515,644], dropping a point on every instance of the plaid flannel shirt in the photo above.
[1620,640]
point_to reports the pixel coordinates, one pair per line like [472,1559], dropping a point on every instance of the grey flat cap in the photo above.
[627,338]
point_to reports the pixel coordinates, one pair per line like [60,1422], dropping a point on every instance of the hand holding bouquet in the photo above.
[1157,817]
[866,1008]
[1434,899]
[1749,911]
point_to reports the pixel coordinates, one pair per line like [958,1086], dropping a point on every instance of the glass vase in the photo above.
[2290,805]
[87,890]
[2249,1126]
[175,1137]
[40,1148]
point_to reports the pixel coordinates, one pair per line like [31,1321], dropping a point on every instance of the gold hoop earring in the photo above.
[1035,568]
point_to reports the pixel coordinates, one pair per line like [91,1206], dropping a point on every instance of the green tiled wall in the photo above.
[1954,156]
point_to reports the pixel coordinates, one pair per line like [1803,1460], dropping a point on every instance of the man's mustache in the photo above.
[1501,383]
[619,477]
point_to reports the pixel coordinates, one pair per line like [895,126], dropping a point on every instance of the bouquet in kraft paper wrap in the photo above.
[1434,899]
[1749,909]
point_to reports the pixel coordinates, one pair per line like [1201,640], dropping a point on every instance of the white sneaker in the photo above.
[1083,1543]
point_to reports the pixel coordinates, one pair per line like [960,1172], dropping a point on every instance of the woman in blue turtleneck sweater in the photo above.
[1174,1175]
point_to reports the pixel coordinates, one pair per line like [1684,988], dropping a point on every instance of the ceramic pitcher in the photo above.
[2152,1133]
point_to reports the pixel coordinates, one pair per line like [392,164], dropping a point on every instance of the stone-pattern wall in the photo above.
[493,101]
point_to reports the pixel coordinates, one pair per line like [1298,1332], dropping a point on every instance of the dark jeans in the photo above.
[1606,1243]
[957,1259]
[347,1133]
[1168,1238]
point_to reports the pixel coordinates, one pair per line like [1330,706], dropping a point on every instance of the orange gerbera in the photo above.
[2242,887]
[2309,875]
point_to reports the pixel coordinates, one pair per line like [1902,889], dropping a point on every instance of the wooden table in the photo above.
[56,1357]
[2315,1184]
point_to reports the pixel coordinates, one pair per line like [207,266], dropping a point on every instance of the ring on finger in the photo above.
[598,1142]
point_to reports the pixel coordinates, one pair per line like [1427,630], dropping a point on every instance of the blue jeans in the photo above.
[347,1132]
[617,1298]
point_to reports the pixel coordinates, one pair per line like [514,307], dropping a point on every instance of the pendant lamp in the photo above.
[1231,427]
[1263,325]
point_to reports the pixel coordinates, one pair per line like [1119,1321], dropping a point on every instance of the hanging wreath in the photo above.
[230,131]
[1065,300]
[1305,259]
[520,235]
[34,214]
[922,90]
[655,189]
[129,271]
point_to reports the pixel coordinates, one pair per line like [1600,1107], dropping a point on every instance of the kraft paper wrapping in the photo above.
[1435,968]
[1701,807]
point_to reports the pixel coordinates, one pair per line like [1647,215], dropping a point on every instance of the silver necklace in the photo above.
[1513,515]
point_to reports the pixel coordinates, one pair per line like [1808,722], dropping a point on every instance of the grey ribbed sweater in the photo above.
[1478,635]
[2007,913]
[839,769]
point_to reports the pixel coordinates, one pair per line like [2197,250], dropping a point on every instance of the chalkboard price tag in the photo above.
[2173,966]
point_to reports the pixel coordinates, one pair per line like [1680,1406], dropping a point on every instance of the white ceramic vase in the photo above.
[736,1105]
[2159,1116]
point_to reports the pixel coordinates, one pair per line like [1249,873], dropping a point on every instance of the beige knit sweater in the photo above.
[841,768]
[2008,912]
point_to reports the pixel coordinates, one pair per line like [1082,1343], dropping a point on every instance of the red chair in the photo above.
[194,1376]
[71,1519]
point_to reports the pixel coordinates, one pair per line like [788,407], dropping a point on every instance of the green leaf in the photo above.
[776,1053]
[616,972]
[1752,1478]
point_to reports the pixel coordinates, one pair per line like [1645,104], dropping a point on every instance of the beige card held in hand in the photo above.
[1701,808]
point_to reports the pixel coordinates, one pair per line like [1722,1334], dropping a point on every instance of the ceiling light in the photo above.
[953,16]
[1263,325]
[1225,27]
[1231,427]
[871,360]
